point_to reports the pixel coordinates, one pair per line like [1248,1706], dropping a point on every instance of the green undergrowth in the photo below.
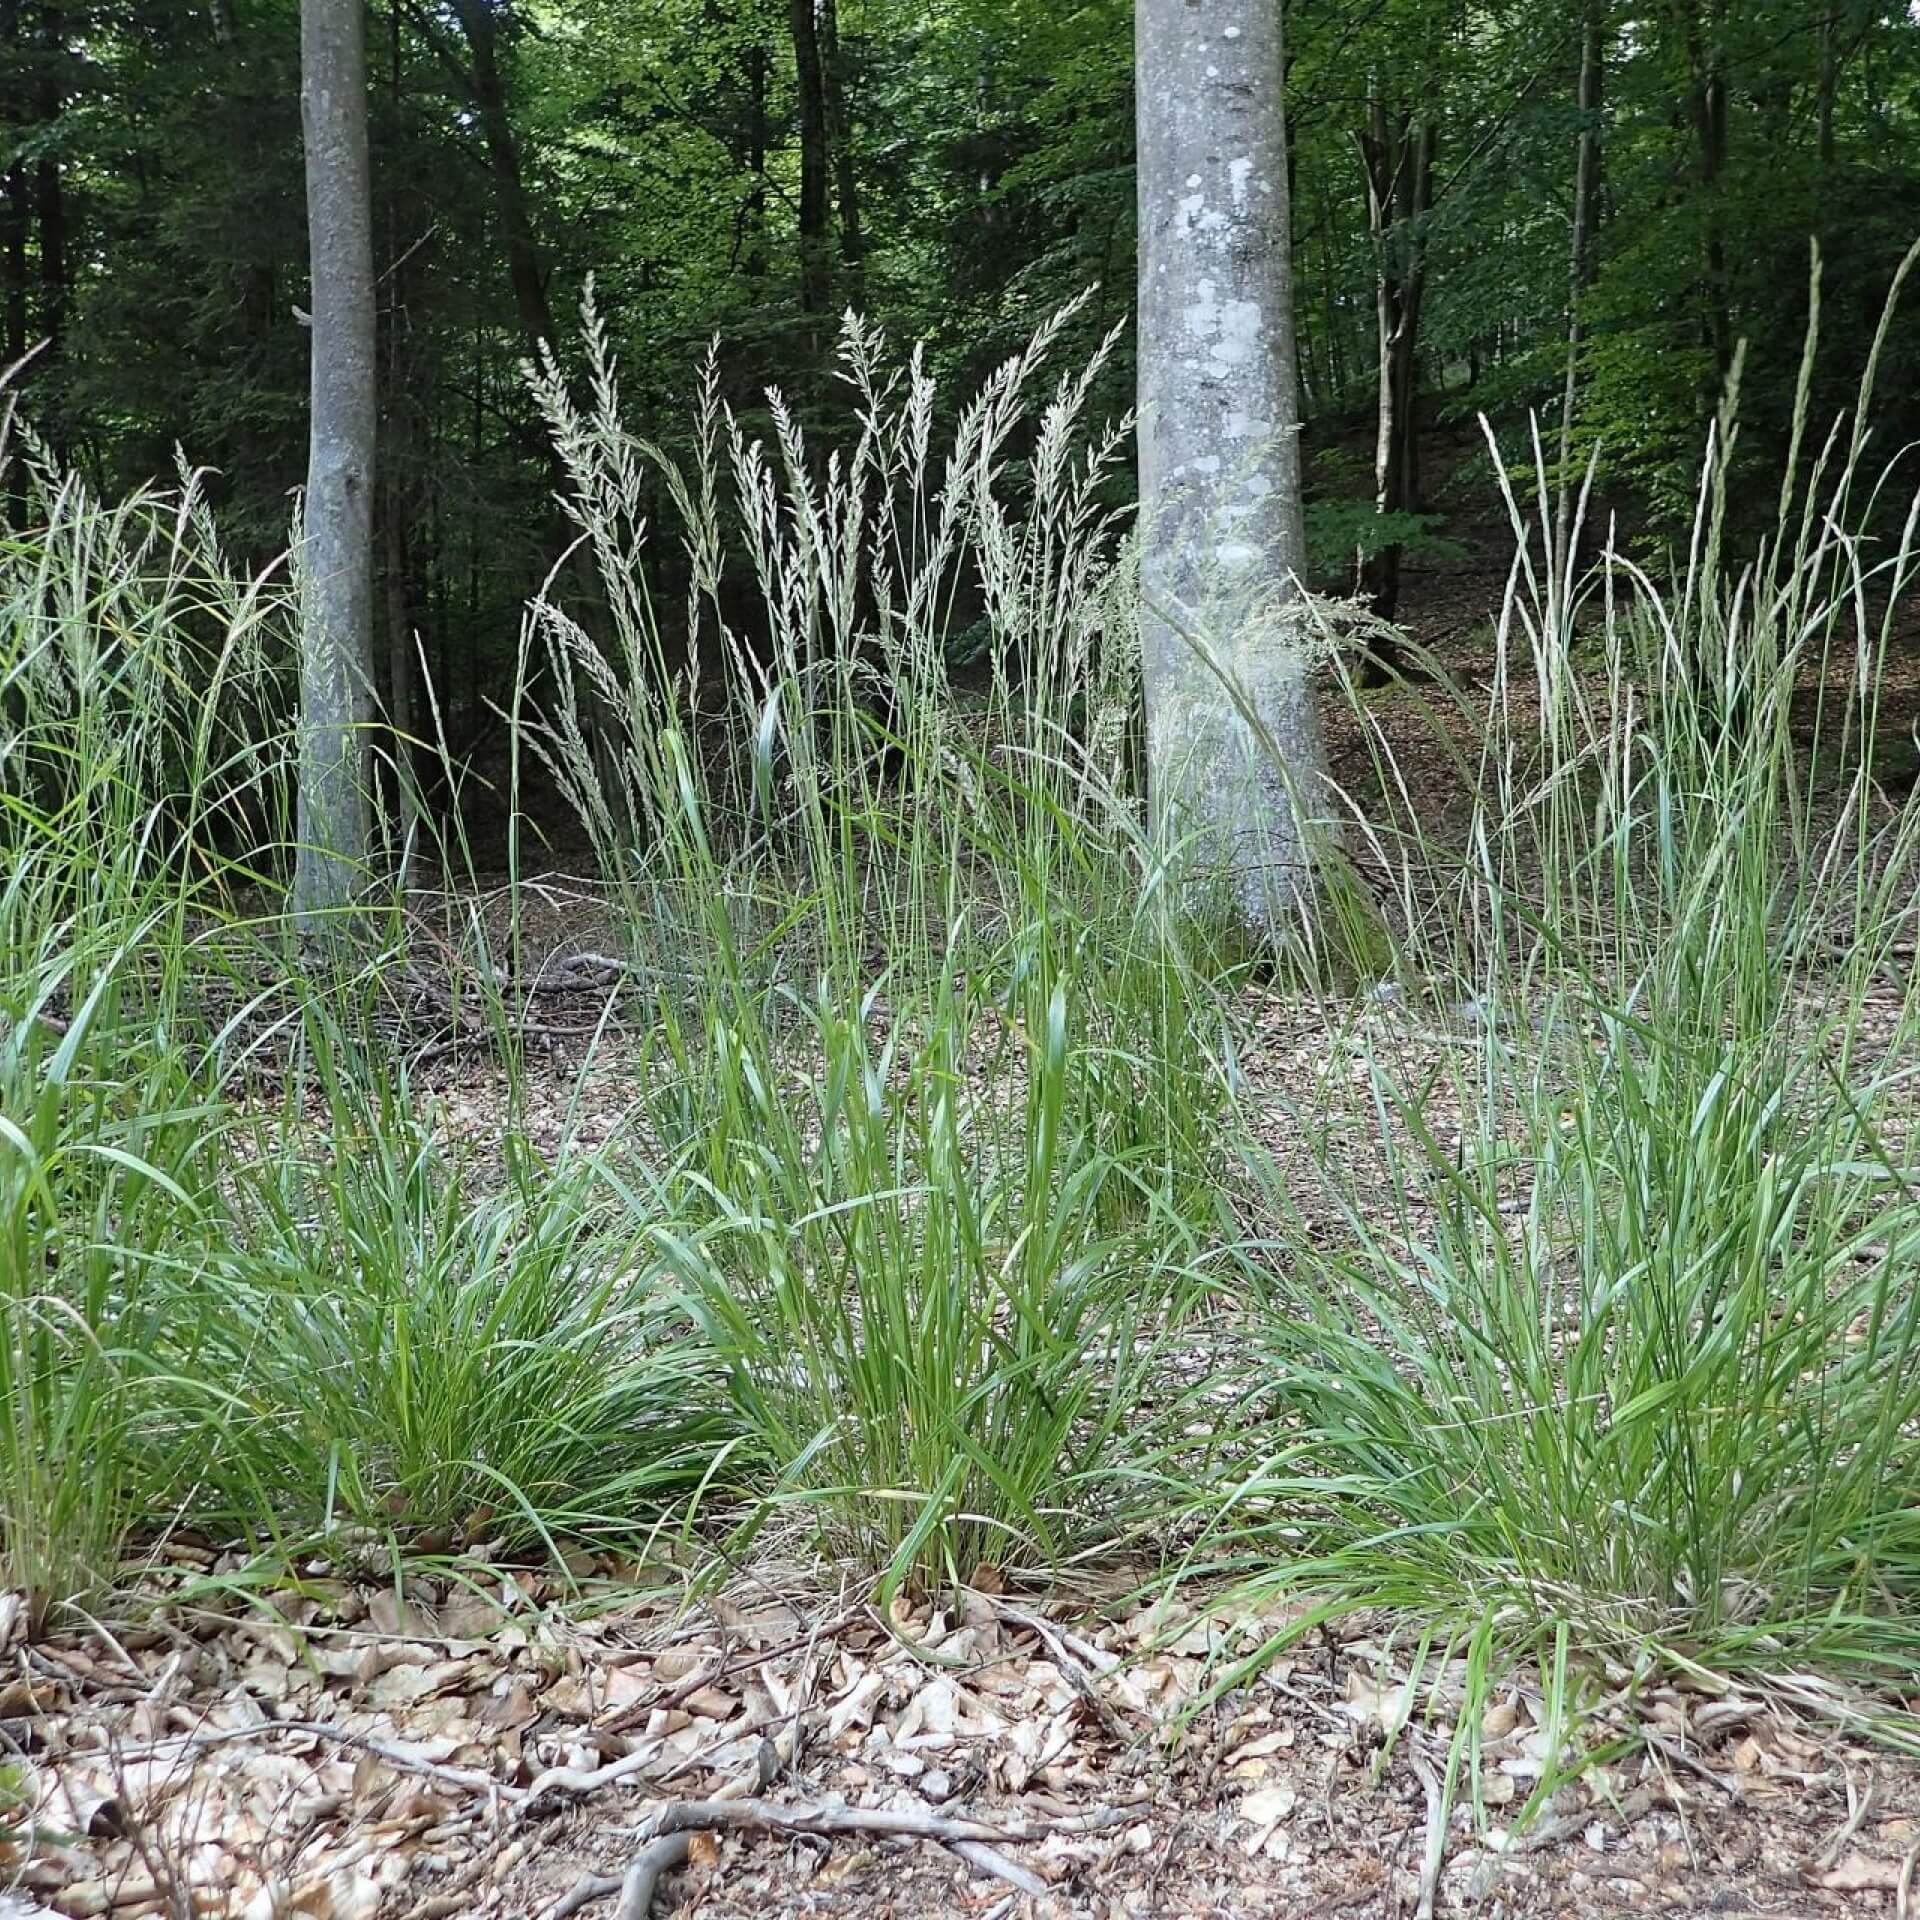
[1593,1339]
[957,1217]
[935,1086]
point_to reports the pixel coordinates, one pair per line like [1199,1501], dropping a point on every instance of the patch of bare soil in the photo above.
[505,1743]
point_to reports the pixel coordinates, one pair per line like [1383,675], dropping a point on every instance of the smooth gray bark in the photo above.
[336,553]
[1233,738]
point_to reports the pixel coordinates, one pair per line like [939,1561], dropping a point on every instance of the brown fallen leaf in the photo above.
[1268,1805]
[471,1616]
[676,1663]
[1856,1873]
[513,1708]
[399,1619]
[712,1703]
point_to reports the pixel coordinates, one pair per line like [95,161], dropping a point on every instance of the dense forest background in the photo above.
[1478,185]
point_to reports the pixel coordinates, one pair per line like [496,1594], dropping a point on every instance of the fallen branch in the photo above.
[989,1860]
[576,1780]
[578,973]
[658,1857]
[1682,1758]
[467,1779]
[973,1840]
[1434,1855]
[704,1676]
[1077,1663]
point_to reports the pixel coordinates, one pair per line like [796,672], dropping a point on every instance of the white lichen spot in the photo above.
[1238,174]
[1237,335]
[1207,463]
[1213,73]
[1193,216]
[1202,314]
[1236,553]
[1230,330]
[1233,33]
[1193,179]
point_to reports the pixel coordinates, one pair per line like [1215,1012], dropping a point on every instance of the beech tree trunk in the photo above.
[395,456]
[489,93]
[1234,748]
[833,73]
[336,554]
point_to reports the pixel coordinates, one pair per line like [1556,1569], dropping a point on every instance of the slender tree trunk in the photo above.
[396,486]
[1308,349]
[336,555]
[1398,152]
[815,211]
[479,24]
[15,211]
[833,74]
[1707,111]
[758,62]
[50,199]
[1330,301]
[16,198]
[1234,747]
[1586,222]
[16,221]
[400,661]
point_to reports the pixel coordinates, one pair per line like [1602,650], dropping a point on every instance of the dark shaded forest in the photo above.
[1496,208]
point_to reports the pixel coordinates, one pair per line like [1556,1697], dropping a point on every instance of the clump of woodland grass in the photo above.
[934,1080]
[125,646]
[943,1136]
[426,1358]
[1624,1373]
[273,1318]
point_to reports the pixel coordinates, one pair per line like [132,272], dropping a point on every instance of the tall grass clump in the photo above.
[416,1347]
[932,1089]
[1606,1331]
[125,803]
[242,1285]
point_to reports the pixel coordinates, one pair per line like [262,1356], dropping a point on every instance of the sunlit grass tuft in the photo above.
[1596,1327]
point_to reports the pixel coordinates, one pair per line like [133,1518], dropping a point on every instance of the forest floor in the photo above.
[499,1739]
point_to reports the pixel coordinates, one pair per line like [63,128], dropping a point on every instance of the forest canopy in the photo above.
[741,171]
